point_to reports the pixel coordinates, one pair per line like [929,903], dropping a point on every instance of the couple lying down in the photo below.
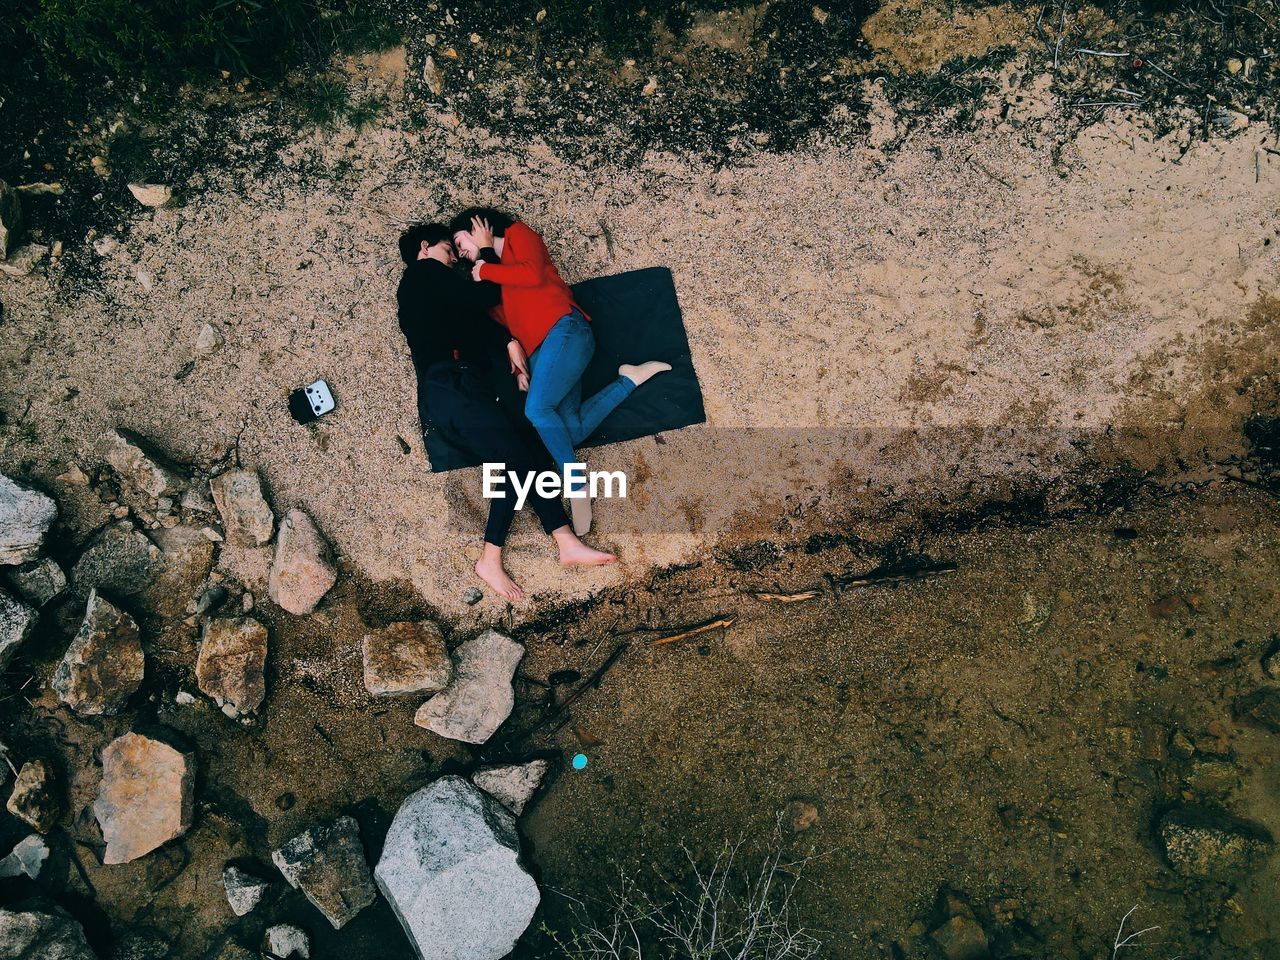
[512,323]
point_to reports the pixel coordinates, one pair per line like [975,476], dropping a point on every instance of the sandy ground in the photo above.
[963,317]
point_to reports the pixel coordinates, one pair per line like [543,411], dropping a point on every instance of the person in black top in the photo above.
[458,353]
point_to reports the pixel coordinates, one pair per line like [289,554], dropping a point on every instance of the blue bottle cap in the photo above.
[579,761]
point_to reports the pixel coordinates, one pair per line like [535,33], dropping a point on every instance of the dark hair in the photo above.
[411,240]
[497,219]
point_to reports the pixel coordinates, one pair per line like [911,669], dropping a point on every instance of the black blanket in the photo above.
[635,317]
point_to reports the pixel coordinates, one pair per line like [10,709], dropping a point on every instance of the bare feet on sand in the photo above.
[490,570]
[639,373]
[575,553]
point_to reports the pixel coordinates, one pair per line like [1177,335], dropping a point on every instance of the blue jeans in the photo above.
[555,406]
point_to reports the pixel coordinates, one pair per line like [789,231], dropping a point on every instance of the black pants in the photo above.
[461,404]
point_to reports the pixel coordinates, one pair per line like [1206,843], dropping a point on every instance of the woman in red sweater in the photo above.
[541,314]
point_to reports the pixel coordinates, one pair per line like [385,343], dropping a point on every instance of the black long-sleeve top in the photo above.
[444,316]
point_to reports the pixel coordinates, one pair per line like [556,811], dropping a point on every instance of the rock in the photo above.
[104,664]
[247,520]
[232,661]
[120,561]
[233,951]
[302,571]
[1212,777]
[211,599]
[512,785]
[161,575]
[480,697]
[146,475]
[186,557]
[799,815]
[1259,709]
[198,499]
[406,658]
[285,940]
[326,862]
[25,517]
[451,871]
[24,260]
[1209,845]
[244,890]
[39,930]
[16,623]
[650,87]
[209,340]
[35,800]
[433,77]
[142,945]
[1271,663]
[151,194]
[472,596]
[961,938]
[26,858]
[145,798]
[39,581]
[10,219]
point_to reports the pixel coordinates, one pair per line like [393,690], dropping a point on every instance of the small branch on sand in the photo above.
[587,684]
[694,631]
[788,597]
[977,164]
[892,573]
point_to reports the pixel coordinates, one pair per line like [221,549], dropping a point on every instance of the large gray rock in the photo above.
[10,219]
[1211,845]
[16,622]
[145,798]
[451,871]
[302,571]
[146,475]
[25,517]
[232,663]
[480,696]
[513,784]
[39,581]
[160,576]
[247,520]
[35,799]
[38,930]
[121,561]
[326,862]
[406,658]
[104,665]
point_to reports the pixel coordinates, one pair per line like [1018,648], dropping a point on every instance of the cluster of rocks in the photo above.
[451,866]
[19,255]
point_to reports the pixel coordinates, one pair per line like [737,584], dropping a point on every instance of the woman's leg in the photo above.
[556,368]
[591,413]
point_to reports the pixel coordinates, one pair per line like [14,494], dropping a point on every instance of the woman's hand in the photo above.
[522,382]
[475,269]
[481,232]
[519,362]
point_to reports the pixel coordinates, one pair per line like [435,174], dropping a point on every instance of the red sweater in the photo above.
[533,295]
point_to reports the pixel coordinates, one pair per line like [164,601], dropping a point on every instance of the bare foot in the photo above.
[489,569]
[639,373]
[575,553]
